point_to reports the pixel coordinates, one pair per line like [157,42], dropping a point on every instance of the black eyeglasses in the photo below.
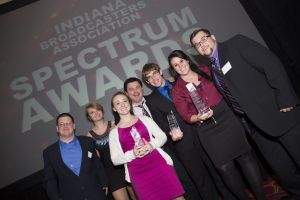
[201,42]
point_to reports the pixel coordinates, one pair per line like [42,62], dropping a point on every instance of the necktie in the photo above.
[219,77]
[169,91]
[145,112]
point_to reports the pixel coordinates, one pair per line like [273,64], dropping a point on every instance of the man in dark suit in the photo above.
[255,85]
[72,169]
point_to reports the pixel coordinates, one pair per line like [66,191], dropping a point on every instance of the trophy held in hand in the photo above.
[200,105]
[136,137]
[175,130]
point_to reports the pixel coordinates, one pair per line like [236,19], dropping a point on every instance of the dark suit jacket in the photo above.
[160,107]
[61,183]
[259,83]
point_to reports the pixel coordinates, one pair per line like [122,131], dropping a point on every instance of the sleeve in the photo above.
[158,138]
[268,63]
[50,181]
[159,118]
[183,103]
[117,155]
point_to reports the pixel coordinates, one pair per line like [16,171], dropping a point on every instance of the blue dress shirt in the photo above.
[71,154]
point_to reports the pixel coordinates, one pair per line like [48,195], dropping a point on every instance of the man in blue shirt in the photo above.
[72,169]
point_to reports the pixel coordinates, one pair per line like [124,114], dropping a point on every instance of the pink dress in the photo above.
[151,176]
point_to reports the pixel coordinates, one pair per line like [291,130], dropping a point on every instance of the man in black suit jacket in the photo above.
[255,85]
[72,169]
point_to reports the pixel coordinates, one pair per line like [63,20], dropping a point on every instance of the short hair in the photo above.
[195,32]
[64,115]
[115,114]
[94,105]
[147,68]
[130,80]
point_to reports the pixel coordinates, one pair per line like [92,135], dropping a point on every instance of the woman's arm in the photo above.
[117,155]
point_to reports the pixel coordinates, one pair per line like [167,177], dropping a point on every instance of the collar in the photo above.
[73,141]
[142,102]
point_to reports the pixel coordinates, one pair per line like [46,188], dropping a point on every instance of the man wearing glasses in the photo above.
[255,85]
[72,169]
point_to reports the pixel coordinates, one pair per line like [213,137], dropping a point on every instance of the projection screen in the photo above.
[56,56]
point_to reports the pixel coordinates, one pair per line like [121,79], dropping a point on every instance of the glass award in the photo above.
[174,127]
[200,105]
[136,137]
[198,102]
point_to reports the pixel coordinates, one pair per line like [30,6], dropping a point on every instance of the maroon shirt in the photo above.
[206,89]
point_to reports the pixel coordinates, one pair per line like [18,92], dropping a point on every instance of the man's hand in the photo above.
[105,190]
[286,109]
[176,134]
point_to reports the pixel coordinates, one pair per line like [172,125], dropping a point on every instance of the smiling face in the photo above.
[205,44]
[121,104]
[65,127]
[94,114]
[154,78]
[180,65]
[135,92]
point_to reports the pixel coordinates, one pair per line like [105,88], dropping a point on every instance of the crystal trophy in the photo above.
[136,137]
[174,127]
[200,105]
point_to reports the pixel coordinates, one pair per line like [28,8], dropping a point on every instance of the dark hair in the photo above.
[195,32]
[130,80]
[94,105]
[115,114]
[64,115]
[193,66]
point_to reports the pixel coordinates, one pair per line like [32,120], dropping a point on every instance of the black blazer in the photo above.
[61,183]
[260,84]
[160,107]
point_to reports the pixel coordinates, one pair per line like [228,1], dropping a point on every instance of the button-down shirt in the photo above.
[164,92]
[183,102]
[138,111]
[71,154]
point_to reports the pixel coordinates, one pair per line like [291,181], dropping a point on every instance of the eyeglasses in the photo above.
[201,42]
[65,124]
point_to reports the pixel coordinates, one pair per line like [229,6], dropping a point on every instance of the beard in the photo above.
[209,52]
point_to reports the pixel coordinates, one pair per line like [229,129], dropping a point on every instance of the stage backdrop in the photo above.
[56,56]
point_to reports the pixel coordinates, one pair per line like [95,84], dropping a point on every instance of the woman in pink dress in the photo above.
[135,142]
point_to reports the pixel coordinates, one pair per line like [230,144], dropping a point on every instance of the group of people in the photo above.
[166,146]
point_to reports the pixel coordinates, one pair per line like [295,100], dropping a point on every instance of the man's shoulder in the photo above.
[238,39]
[51,148]
[154,98]
[152,95]
[84,138]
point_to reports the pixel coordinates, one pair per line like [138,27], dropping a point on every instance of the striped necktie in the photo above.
[219,77]
[145,112]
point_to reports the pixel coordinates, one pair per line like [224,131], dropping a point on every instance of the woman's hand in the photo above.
[141,151]
[205,116]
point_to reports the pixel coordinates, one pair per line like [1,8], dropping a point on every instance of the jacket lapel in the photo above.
[60,161]
[222,53]
[84,151]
